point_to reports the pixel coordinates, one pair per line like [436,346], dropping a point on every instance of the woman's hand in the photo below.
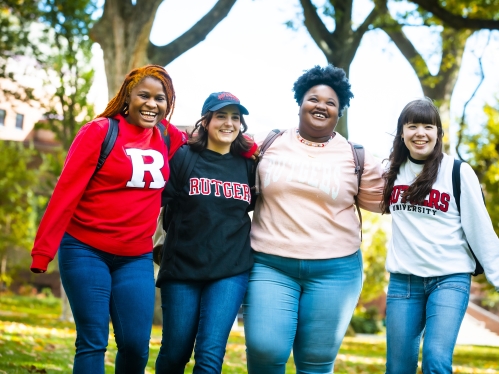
[35,270]
[255,155]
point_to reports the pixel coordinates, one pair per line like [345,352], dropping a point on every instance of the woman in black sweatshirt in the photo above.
[207,254]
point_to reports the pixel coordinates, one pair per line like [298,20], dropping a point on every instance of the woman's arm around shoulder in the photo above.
[371,184]
[79,167]
[477,225]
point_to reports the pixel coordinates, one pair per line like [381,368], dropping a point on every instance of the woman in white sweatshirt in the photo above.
[429,258]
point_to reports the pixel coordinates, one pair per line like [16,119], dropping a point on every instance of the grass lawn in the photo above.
[32,340]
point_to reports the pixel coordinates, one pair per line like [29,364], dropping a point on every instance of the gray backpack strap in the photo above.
[273,135]
[268,141]
[358,158]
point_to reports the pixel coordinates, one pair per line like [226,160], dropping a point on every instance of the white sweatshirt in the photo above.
[432,239]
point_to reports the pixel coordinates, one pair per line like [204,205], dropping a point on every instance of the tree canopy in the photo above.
[456,20]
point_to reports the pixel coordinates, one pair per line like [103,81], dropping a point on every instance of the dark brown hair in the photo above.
[199,136]
[417,111]
[118,105]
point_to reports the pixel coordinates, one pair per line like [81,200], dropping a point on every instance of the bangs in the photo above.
[420,111]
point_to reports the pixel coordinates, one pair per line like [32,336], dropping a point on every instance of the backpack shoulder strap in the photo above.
[359,155]
[456,183]
[187,165]
[108,143]
[269,140]
[164,134]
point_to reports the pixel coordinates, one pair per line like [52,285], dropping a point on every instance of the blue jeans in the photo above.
[304,305]
[99,285]
[202,312]
[435,305]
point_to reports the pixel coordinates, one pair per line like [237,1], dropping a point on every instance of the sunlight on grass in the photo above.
[33,340]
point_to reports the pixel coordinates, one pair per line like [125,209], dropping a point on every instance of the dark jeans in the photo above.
[201,312]
[99,285]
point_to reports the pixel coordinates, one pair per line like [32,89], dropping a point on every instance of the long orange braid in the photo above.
[118,103]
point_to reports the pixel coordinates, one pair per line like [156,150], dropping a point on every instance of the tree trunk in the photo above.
[339,46]
[3,273]
[123,33]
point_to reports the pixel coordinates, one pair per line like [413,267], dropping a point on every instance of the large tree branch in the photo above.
[343,15]
[405,46]
[456,21]
[368,23]
[318,31]
[165,54]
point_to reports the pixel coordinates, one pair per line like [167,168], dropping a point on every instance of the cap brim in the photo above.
[221,105]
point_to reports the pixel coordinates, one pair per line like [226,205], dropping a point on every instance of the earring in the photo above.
[125,108]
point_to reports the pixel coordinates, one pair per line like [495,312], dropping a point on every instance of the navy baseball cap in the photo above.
[217,100]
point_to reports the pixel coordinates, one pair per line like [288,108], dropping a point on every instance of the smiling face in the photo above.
[318,113]
[146,103]
[223,129]
[420,139]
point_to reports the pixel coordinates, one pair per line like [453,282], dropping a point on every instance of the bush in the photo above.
[366,321]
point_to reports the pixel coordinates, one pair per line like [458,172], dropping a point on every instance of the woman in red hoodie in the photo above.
[102,222]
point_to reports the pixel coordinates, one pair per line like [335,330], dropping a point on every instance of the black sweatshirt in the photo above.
[208,237]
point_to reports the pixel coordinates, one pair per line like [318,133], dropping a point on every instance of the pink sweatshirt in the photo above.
[306,205]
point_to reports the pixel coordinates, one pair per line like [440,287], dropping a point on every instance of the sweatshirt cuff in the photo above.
[40,262]
[251,151]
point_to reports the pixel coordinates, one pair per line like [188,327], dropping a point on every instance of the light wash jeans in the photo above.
[99,285]
[202,312]
[304,305]
[435,305]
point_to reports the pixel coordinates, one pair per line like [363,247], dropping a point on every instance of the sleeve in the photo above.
[252,150]
[177,138]
[79,167]
[477,225]
[371,184]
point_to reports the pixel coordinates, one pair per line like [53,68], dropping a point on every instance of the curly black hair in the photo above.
[330,76]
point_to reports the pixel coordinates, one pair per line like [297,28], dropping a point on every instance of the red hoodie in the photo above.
[114,210]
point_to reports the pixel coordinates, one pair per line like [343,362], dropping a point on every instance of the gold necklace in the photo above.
[413,172]
[312,144]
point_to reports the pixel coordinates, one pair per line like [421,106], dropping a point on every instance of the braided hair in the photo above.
[118,105]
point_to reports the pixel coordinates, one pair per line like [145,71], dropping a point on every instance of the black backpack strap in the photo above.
[108,143]
[456,183]
[359,155]
[456,191]
[165,135]
[187,165]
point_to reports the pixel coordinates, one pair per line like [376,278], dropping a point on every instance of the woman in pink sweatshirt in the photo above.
[307,276]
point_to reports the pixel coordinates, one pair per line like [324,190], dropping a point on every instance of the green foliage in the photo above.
[366,321]
[68,66]
[374,244]
[483,151]
[17,42]
[19,201]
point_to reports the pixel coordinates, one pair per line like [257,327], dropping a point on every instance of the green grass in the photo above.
[33,340]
